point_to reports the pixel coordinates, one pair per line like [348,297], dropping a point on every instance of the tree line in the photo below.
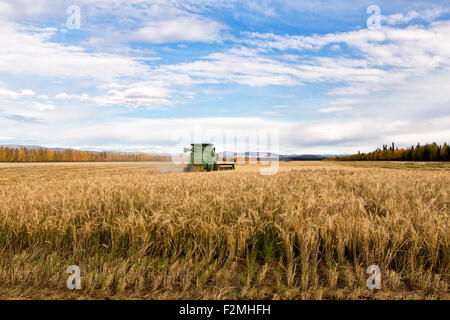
[23,154]
[427,152]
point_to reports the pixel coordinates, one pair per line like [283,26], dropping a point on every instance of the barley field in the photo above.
[149,231]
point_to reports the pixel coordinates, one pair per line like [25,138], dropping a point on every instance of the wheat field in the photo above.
[149,231]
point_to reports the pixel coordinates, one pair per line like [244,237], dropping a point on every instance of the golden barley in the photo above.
[310,231]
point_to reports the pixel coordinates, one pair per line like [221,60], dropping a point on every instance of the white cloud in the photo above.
[43,106]
[261,70]
[400,17]
[136,95]
[8,93]
[27,92]
[270,113]
[65,96]
[189,28]
[346,101]
[427,15]
[25,52]
[62,96]
[334,109]
[29,8]
[383,58]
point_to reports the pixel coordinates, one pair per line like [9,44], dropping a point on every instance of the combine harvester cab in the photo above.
[203,158]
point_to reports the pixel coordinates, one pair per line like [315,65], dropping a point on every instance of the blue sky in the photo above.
[137,73]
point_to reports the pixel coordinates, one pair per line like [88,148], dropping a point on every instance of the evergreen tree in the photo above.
[427,152]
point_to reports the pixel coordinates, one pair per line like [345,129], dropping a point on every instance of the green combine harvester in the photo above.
[203,158]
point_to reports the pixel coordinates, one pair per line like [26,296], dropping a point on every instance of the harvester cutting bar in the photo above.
[224,166]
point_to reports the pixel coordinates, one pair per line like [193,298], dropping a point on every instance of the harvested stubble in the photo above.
[297,234]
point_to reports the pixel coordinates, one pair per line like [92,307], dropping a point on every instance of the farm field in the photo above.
[146,230]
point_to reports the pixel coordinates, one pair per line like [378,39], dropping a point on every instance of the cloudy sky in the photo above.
[134,74]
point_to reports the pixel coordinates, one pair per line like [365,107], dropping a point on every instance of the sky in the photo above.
[329,77]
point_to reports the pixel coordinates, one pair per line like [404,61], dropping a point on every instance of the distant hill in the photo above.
[264,155]
[31,147]
[301,157]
